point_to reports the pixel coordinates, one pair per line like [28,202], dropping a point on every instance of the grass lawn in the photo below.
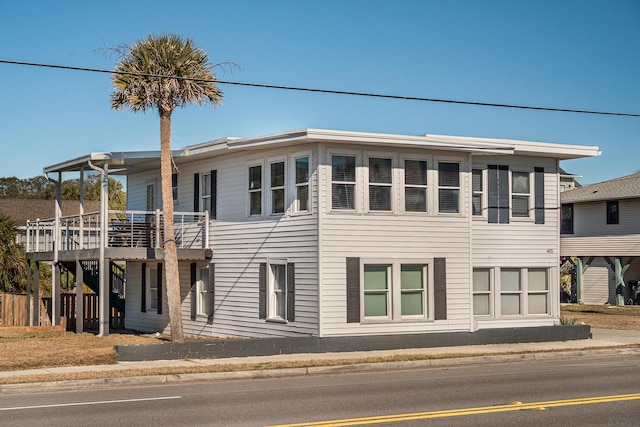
[31,351]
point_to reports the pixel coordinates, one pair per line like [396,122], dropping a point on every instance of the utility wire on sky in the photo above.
[335,92]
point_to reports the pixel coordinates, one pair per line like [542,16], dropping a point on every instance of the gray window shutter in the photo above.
[353,290]
[159,287]
[143,287]
[262,291]
[291,292]
[440,288]
[503,194]
[214,194]
[193,297]
[539,194]
[196,192]
[492,184]
[212,292]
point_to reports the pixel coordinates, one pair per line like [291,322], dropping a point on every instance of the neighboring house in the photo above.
[568,181]
[601,226]
[22,210]
[330,234]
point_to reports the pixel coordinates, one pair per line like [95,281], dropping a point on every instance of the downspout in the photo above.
[103,292]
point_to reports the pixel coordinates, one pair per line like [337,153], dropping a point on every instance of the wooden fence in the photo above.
[13,309]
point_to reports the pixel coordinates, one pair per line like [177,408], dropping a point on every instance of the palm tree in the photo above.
[164,72]
[13,268]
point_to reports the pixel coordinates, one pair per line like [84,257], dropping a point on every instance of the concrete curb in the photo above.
[148,380]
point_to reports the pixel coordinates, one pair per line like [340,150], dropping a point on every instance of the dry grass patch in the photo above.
[602,316]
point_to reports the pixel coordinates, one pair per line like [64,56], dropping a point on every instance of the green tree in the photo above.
[13,268]
[162,73]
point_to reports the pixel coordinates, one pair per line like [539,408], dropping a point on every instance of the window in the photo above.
[277,188]
[380,182]
[448,187]
[482,292]
[415,186]
[477,191]
[174,186]
[202,285]
[302,184]
[612,212]
[395,290]
[205,192]
[520,194]
[151,197]
[152,281]
[566,226]
[343,182]
[276,291]
[498,194]
[512,291]
[255,190]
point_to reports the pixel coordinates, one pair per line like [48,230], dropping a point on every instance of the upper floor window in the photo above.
[174,186]
[277,188]
[566,224]
[448,187]
[343,182]
[205,192]
[255,190]
[612,212]
[415,186]
[302,184]
[151,197]
[477,190]
[380,182]
[520,194]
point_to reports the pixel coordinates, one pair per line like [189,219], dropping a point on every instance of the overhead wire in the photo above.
[331,91]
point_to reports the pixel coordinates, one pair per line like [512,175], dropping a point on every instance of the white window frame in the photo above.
[482,192]
[152,287]
[357,183]
[204,178]
[495,285]
[513,194]
[272,189]
[151,185]
[428,187]
[437,187]
[295,186]
[392,185]
[202,292]
[489,293]
[260,190]
[394,290]
[272,291]
[174,188]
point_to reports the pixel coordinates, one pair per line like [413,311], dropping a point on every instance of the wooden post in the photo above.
[79,298]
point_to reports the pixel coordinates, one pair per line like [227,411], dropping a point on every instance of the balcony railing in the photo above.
[125,229]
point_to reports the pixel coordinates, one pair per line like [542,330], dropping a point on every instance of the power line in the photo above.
[330,91]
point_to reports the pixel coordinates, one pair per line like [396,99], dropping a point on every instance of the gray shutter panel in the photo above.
[193,297]
[196,192]
[492,184]
[291,292]
[262,291]
[440,288]
[353,290]
[212,292]
[539,194]
[503,194]
[214,194]
[143,286]
[159,287]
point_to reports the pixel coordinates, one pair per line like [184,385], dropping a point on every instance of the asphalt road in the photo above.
[582,392]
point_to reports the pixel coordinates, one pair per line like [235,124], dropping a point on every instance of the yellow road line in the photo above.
[516,406]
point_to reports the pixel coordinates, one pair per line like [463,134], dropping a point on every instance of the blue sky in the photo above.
[568,54]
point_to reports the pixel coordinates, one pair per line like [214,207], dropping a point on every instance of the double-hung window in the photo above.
[612,212]
[174,187]
[566,226]
[482,292]
[510,291]
[203,290]
[205,192]
[477,191]
[380,183]
[520,194]
[277,188]
[152,283]
[412,289]
[255,190]
[448,187]
[302,184]
[377,281]
[276,291]
[343,182]
[415,186]
[537,291]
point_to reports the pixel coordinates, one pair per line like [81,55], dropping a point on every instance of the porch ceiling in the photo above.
[118,163]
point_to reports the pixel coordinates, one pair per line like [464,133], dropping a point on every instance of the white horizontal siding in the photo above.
[597,284]
[612,246]
[590,219]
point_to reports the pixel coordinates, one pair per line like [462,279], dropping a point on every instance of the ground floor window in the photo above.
[277,291]
[511,291]
[203,292]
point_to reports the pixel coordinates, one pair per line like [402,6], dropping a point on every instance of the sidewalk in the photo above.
[604,342]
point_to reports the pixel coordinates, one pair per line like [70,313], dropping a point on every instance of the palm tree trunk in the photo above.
[170,250]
